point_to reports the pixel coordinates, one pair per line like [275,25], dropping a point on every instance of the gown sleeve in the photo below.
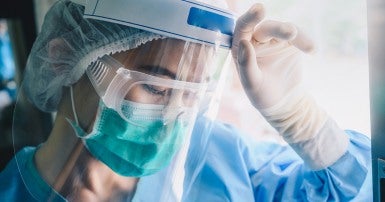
[277,173]
[238,168]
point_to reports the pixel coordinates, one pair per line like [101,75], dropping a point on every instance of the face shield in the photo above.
[157,99]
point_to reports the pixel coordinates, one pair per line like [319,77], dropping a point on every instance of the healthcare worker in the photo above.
[134,87]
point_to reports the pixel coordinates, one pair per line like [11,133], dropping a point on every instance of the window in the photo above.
[7,67]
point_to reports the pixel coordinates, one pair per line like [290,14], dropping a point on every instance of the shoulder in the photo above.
[18,161]
[216,136]
[224,143]
[227,157]
[12,186]
[229,137]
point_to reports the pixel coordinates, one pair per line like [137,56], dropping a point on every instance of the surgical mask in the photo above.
[138,147]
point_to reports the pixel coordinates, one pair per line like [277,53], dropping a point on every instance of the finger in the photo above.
[247,65]
[245,25]
[283,31]
[270,29]
[303,42]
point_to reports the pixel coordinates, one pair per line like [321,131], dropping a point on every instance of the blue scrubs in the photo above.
[234,168]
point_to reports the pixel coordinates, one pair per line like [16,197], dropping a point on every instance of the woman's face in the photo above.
[171,59]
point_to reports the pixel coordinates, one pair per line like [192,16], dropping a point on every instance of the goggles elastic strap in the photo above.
[113,89]
[73,106]
[174,103]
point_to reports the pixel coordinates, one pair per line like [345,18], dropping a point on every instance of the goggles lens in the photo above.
[170,73]
[127,86]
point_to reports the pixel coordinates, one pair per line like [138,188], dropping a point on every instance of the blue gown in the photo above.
[234,169]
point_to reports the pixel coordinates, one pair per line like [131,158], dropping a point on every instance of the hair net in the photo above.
[67,44]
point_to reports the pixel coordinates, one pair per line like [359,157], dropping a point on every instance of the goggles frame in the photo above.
[112,81]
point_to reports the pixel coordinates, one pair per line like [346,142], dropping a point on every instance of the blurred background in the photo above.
[336,75]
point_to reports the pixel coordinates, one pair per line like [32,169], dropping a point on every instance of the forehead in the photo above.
[183,59]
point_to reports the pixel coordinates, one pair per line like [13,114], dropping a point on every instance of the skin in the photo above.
[58,159]
[64,162]
[147,59]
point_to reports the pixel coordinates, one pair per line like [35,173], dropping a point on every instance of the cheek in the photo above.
[90,117]
[87,103]
[139,94]
[135,95]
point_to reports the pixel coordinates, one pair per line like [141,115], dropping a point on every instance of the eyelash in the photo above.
[152,90]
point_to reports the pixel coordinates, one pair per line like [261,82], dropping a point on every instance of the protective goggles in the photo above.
[117,85]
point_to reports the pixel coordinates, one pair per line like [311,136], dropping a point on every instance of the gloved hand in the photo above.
[267,55]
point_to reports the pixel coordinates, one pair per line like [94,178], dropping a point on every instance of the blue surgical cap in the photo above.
[67,45]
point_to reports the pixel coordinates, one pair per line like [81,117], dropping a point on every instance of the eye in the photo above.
[156,90]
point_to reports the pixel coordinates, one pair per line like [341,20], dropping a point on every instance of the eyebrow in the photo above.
[156,70]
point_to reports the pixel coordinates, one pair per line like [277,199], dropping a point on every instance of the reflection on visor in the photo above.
[117,85]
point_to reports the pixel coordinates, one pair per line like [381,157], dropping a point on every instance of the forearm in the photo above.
[284,176]
[308,129]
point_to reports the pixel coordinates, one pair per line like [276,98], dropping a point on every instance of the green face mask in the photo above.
[140,146]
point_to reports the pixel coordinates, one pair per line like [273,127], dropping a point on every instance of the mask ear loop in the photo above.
[78,130]
[62,178]
[73,106]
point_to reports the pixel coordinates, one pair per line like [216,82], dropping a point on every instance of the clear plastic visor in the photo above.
[161,86]
[169,75]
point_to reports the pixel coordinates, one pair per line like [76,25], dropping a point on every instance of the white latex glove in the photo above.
[267,55]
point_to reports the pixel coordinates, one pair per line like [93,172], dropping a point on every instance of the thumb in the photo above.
[247,67]
[245,53]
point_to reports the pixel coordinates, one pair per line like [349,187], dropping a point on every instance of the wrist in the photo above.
[297,117]
[308,129]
